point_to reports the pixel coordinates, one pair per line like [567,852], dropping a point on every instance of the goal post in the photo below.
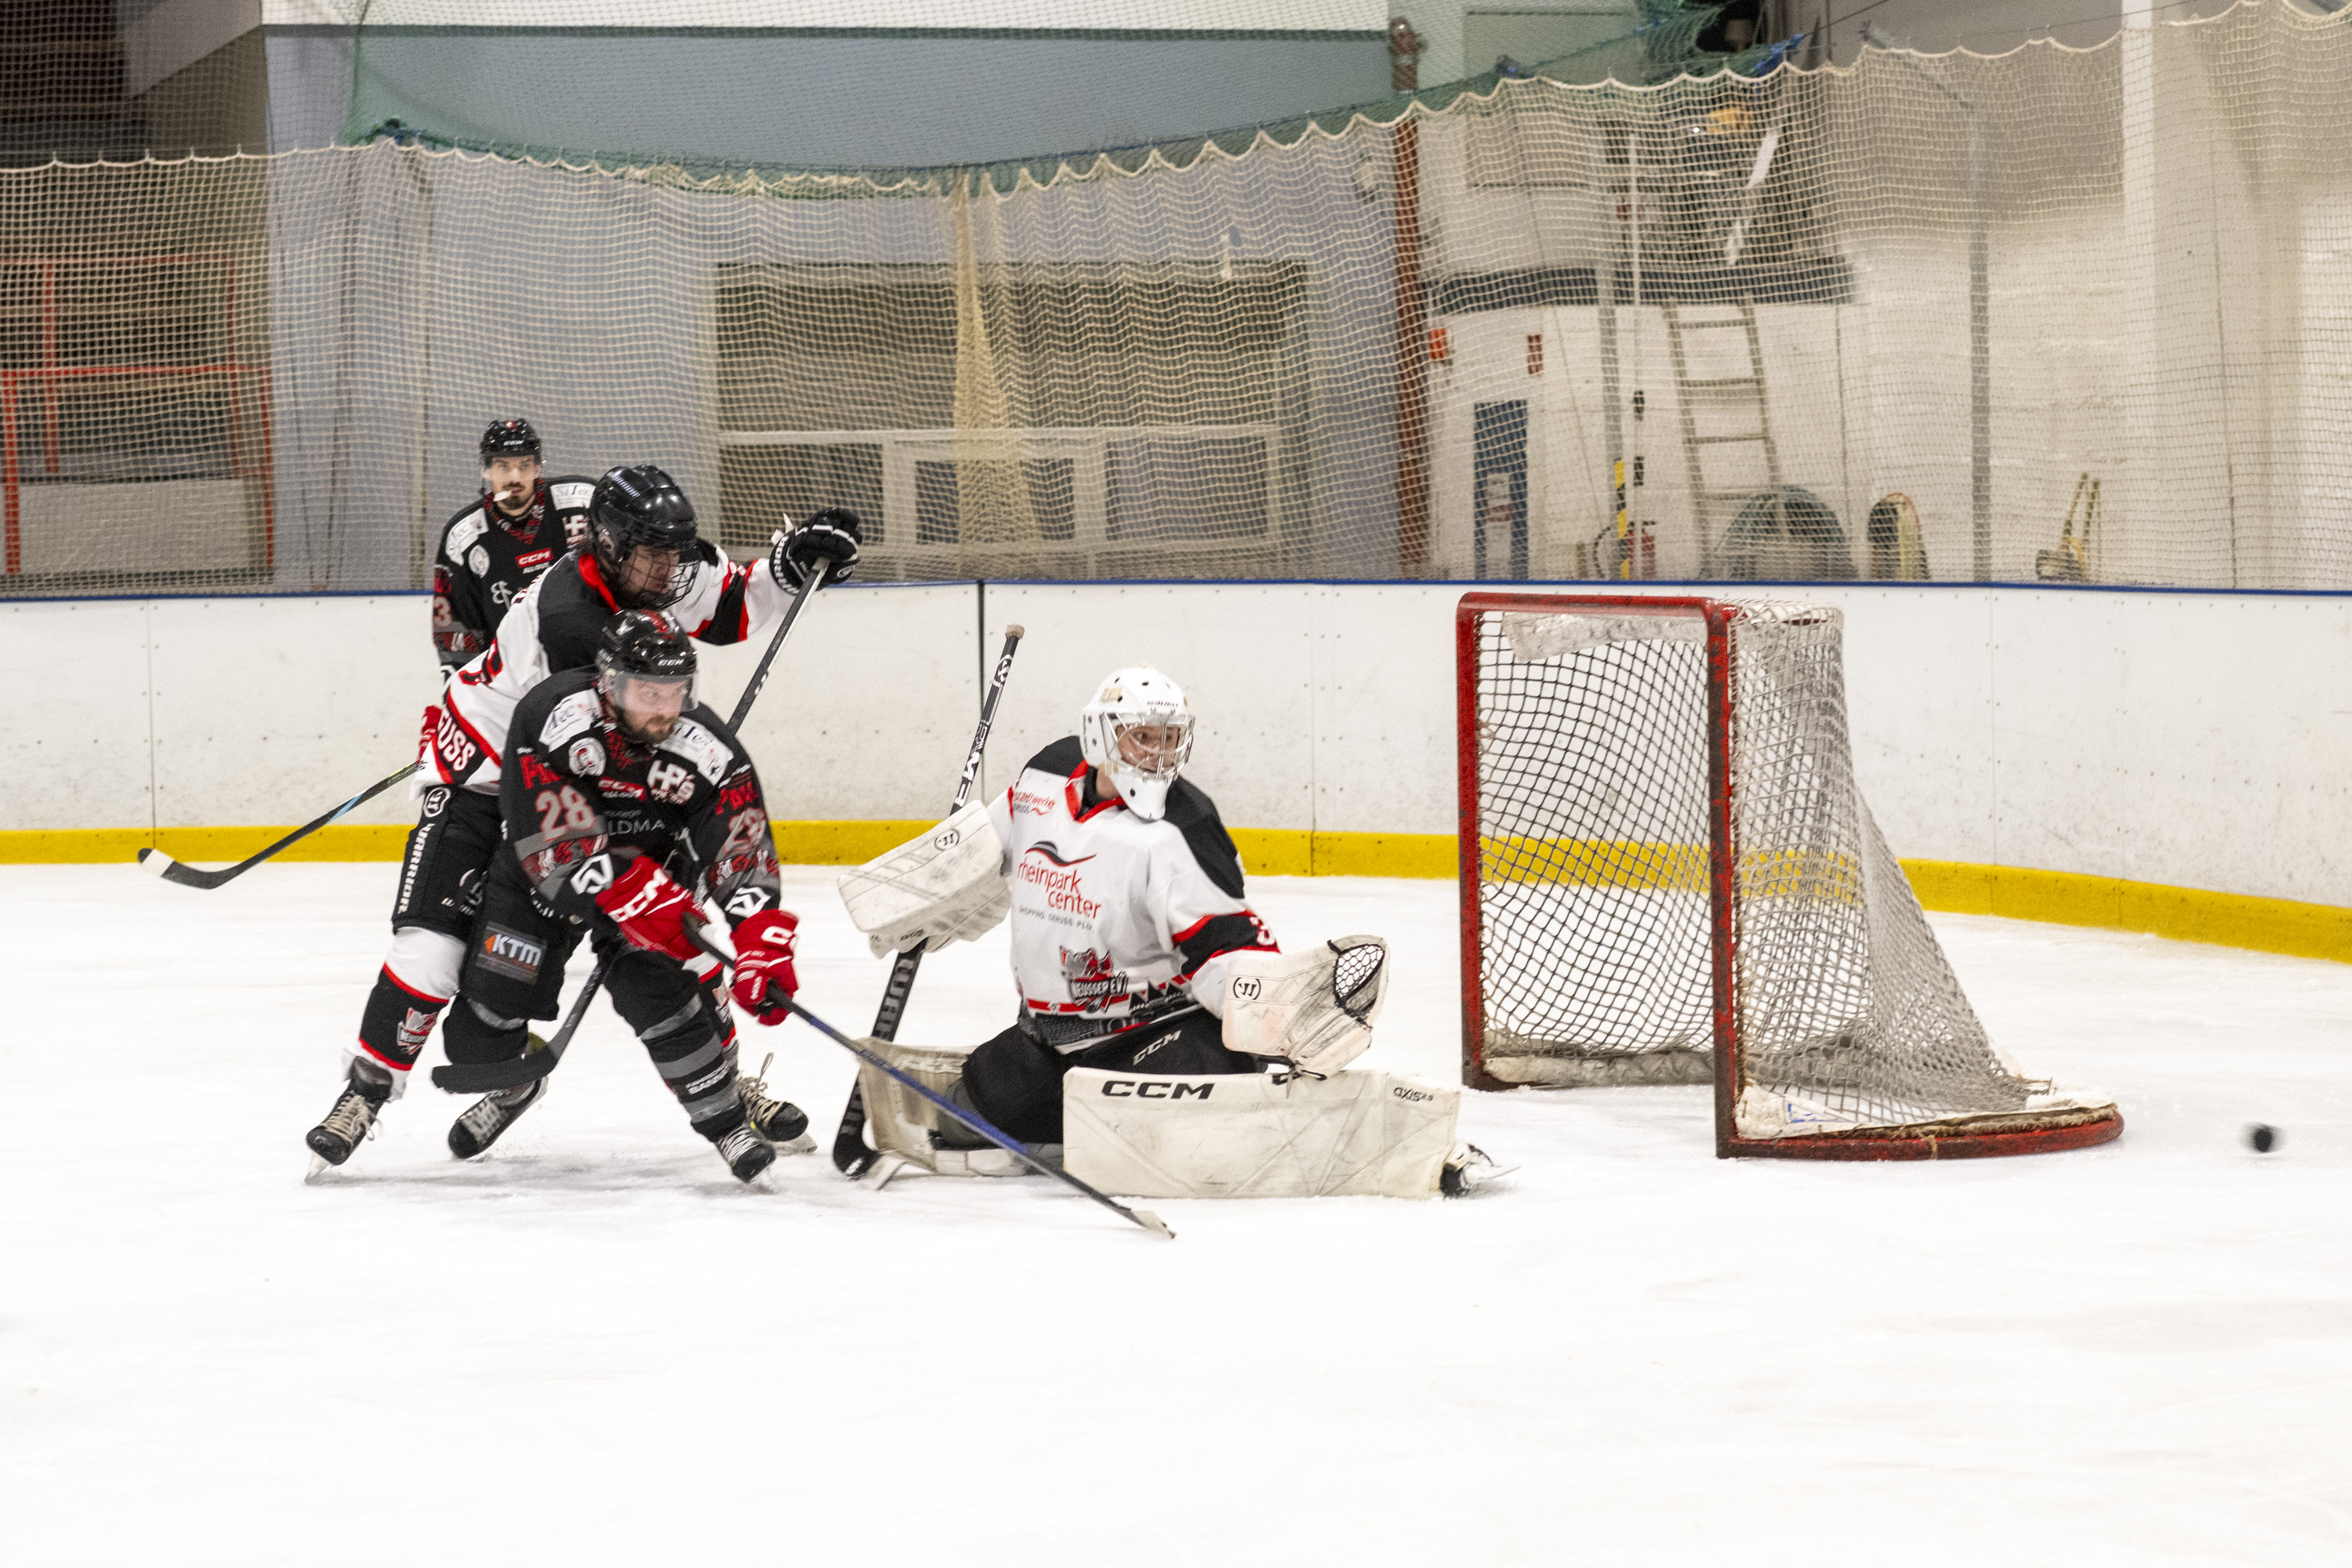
[1669,876]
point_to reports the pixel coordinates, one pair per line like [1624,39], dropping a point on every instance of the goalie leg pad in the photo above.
[1171,1135]
[904,1121]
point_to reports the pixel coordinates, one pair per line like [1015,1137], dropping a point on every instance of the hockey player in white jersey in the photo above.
[1162,1036]
[1127,908]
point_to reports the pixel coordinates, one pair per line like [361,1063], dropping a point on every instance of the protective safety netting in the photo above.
[2075,315]
[1595,747]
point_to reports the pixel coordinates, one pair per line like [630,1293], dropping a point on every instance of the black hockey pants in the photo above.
[514,972]
[1015,1081]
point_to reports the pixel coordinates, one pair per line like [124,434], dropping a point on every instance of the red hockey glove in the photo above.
[764,980]
[653,911]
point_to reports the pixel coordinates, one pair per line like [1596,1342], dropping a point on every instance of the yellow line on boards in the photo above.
[2059,898]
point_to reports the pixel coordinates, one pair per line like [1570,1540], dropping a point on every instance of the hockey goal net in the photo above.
[1668,876]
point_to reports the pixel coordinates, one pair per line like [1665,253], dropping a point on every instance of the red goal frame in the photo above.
[1925,1142]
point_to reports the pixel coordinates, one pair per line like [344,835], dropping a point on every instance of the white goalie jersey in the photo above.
[1112,914]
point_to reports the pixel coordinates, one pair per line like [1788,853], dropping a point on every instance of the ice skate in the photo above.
[352,1119]
[746,1153]
[482,1123]
[1470,1170]
[780,1121]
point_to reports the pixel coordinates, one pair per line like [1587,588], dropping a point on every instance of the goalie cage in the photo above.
[1668,876]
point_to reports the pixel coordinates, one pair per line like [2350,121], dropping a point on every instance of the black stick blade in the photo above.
[489,1078]
[171,870]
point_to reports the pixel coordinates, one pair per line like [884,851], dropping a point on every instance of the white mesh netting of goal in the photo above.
[1671,876]
[2073,315]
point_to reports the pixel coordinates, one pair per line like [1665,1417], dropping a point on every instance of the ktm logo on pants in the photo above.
[1128,1088]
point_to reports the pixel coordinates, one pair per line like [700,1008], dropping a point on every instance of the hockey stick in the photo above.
[171,870]
[489,1078]
[970,1118]
[852,1156]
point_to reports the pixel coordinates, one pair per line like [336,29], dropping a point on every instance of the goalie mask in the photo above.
[1137,734]
[645,673]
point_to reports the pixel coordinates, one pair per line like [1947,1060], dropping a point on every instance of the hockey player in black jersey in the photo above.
[517,528]
[643,553]
[609,773]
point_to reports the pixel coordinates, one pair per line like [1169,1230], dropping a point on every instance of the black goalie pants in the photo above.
[1015,1081]
[514,972]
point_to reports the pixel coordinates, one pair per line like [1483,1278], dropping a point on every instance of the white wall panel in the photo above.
[1384,722]
[76,731]
[270,709]
[1243,652]
[2191,739]
[869,709]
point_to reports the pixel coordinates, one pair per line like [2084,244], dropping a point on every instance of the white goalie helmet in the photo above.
[1138,734]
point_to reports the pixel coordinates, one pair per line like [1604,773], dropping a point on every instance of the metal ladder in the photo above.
[1714,506]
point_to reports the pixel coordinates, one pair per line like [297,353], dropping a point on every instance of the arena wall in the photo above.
[2155,761]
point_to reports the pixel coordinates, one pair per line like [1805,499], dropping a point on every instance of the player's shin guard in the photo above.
[700,1068]
[418,978]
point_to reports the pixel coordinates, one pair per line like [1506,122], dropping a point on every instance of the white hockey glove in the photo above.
[947,885]
[1314,1009]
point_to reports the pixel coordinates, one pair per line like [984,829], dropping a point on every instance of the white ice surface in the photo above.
[591,1347]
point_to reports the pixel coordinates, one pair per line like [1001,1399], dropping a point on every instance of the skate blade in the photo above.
[803,1144]
[319,1171]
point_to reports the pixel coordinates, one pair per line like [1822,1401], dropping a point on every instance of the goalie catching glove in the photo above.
[1313,1009]
[764,980]
[946,887]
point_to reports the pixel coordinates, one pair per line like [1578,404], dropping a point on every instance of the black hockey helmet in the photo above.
[640,508]
[645,672]
[510,439]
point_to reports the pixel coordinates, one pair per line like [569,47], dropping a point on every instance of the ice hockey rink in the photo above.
[592,1346]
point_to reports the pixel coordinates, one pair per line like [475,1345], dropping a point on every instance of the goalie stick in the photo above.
[171,870]
[489,1078]
[970,1118]
[852,1156]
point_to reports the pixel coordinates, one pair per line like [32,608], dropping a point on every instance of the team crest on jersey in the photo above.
[1094,983]
[478,560]
[587,757]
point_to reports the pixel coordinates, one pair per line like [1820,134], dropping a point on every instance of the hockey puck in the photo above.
[2262,1137]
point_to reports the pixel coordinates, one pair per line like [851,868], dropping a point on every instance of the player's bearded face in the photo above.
[1155,750]
[511,482]
[646,709]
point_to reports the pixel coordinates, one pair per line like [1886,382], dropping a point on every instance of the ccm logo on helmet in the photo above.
[1128,1088]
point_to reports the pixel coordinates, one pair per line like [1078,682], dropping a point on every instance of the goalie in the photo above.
[1142,971]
